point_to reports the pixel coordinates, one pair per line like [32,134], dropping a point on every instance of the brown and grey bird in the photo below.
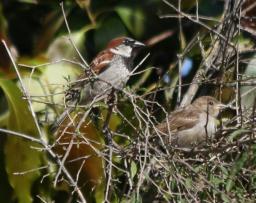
[111,69]
[191,125]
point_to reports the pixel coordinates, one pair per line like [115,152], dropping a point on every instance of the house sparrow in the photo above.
[192,125]
[109,69]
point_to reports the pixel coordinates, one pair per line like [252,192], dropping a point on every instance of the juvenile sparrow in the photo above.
[109,69]
[192,125]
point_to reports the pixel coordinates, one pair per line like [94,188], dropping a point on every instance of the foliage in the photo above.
[196,48]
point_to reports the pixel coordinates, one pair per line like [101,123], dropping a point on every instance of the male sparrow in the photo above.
[192,125]
[110,69]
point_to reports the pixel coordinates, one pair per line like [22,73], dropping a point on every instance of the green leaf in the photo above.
[237,133]
[54,79]
[133,169]
[109,29]
[133,18]
[249,92]
[19,156]
[28,1]
[238,165]
[35,88]
[4,113]
[225,198]
[61,47]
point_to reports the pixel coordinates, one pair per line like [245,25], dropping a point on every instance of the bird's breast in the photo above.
[114,76]
[204,130]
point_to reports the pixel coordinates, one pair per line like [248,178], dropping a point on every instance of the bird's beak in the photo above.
[222,106]
[138,44]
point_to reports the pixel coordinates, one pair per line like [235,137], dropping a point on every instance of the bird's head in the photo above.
[125,46]
[209,104]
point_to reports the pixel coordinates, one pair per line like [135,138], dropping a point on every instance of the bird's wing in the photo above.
[101,61]
[98,65]
[180,120]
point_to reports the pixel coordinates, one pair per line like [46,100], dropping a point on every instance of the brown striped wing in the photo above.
[180,120]
[101,61]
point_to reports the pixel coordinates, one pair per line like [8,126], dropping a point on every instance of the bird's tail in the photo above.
[60,119]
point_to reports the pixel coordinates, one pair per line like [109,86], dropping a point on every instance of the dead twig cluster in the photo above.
[134,167]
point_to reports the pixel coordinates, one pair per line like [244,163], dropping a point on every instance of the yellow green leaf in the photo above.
[19,155]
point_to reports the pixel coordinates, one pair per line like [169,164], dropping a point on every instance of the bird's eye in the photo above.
[127,42]
[210,102]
